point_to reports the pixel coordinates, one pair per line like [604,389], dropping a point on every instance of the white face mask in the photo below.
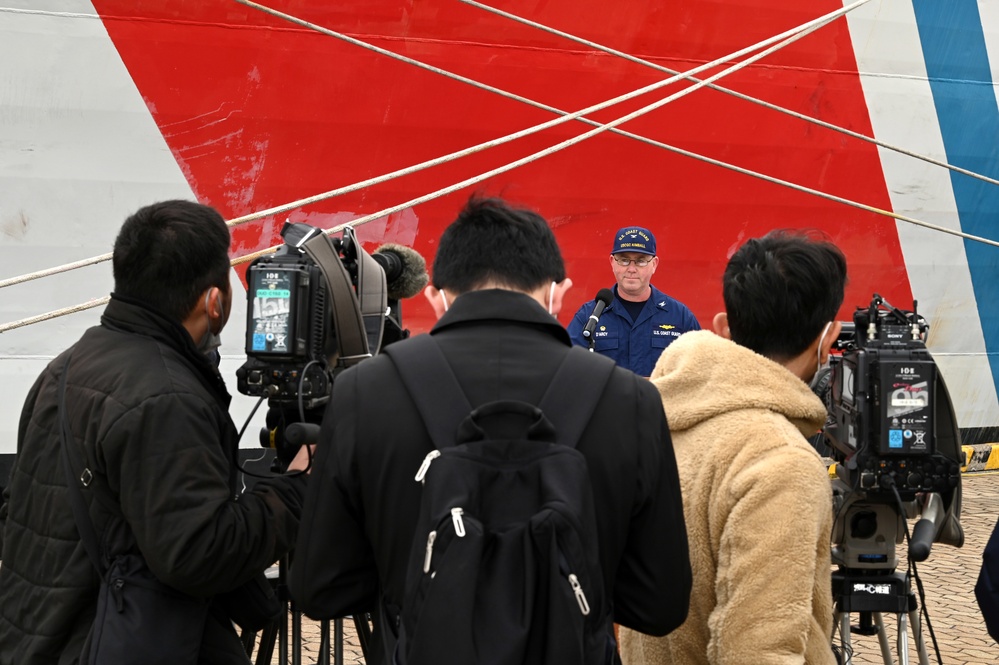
[211,340]
[818,356]
[444,300]
[551,298]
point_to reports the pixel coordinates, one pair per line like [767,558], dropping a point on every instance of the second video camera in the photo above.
[891,419]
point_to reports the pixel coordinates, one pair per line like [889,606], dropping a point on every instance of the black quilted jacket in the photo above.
[150,415]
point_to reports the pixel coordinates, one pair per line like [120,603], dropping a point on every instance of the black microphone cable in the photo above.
[915,574]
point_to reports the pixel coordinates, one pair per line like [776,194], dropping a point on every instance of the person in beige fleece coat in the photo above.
[756,496]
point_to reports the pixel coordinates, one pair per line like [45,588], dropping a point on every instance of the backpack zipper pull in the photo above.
[459,525]
[577,589]
[421,473]
[430,551]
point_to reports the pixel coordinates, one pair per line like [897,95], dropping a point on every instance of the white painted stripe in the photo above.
[79,152]
[893,76]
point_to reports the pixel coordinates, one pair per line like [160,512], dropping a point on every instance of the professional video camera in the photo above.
[314,308]
[896,443]
[893,425]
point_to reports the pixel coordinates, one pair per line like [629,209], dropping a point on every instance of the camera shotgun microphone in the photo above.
[604,298]
[405,270]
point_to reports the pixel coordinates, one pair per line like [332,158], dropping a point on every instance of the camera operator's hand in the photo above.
[286,432]
[303,459]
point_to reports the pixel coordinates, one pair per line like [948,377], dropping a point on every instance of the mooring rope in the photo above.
[687,75]
[96,302]
[612,127]
[733,93]
[781,40]
[66,267]
[801,31]
[565,117]
[42,12]
[786,38]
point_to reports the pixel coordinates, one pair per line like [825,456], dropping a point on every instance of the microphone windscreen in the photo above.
[605,296]
[412,276]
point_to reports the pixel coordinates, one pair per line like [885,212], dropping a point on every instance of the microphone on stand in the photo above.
[604,298]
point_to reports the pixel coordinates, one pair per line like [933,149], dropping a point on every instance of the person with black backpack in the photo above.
[487,492]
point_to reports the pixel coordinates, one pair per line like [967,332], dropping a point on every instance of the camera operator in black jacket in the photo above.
[148,412]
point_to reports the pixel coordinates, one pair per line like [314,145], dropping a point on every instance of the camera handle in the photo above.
[299,434]
[924,533]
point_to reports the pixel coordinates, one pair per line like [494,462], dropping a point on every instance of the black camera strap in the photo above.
[372,293]
[358,323]
[352,341]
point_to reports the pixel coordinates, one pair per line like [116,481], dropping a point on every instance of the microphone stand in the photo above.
[603,299]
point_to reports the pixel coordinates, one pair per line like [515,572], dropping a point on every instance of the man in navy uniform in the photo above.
[641,320]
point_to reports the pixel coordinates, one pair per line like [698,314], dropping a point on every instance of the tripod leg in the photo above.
[903,640]
[283,637]
[338,643]
[265,650]
[363,629]
[324,643]
[879,624]
[296,636]
[917,632]
[249,639]
[843,619]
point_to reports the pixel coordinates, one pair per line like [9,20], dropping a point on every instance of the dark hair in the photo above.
[781,290]
[492,242]
[168,253]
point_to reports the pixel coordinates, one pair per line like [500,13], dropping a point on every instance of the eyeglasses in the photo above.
[641,263]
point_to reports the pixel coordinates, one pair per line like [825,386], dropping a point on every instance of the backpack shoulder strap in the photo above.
[432,384]
[572,396]
[569,401]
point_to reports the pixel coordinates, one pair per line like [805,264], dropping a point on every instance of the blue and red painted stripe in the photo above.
[957,63]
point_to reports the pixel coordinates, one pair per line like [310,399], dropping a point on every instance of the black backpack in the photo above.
[504,567]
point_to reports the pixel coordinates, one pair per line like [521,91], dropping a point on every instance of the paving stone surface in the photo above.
[948,579]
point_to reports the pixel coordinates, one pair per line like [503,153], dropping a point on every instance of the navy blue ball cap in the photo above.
[634,239]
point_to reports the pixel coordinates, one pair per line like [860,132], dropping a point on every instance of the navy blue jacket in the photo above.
[635,344]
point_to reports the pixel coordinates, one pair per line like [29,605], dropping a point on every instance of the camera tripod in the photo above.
[873,594]
[867,528]
[278,631]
